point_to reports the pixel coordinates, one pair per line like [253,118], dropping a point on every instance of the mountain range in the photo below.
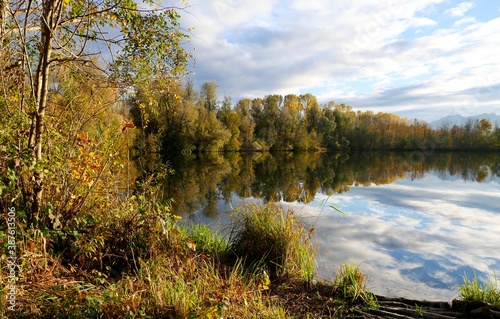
[459,120]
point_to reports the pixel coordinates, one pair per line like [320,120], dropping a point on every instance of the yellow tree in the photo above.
[484,128]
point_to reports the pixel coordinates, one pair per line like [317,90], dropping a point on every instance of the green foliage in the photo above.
[153,46]
[419,311]
[56,90]
[473,290]
[209,134]
[16,163]
[175,123]
[300,123]
[232,121]
[209,95]
[291,123]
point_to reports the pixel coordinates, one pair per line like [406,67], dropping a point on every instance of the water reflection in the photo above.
[415,222]
[198,183]
[414,238]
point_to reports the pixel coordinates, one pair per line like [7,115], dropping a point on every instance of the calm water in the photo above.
[415,222]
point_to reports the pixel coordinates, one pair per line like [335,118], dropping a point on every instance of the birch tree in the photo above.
[129,41]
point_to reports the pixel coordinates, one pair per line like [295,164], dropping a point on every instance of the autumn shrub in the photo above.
[138,227]
[269,237]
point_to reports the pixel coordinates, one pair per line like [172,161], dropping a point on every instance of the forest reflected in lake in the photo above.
[199,182]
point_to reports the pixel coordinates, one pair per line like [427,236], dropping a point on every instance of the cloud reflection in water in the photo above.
[414,239]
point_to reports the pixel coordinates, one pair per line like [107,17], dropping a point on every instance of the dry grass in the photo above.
[177,272]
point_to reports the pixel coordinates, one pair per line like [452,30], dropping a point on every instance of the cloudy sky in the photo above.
[417,58]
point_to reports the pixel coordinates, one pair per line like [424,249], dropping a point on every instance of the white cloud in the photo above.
[399,239]
[257,48]
[464,21]
[461,9]
[413,239]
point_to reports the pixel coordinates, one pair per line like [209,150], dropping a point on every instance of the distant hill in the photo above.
[461,120]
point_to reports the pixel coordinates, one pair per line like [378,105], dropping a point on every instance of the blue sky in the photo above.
[417,58]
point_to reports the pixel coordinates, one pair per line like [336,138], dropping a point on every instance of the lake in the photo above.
[415,222]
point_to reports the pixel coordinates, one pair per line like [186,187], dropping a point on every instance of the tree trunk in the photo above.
[3,11]
[49,20]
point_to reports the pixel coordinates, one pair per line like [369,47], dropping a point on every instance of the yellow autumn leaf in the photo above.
[264,281]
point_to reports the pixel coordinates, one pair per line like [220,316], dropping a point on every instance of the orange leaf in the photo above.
[127,125]
[82,137]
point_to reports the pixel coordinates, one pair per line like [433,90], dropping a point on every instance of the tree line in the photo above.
[185,120]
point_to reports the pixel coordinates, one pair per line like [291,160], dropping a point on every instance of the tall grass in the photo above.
[195,288]
[180,276]
[267,236]
[207,239]
[351,281]
[472,290]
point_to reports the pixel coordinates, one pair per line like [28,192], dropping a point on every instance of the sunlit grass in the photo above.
[207,239]
[267,236]
[473,290]
[351,281]
[184,271]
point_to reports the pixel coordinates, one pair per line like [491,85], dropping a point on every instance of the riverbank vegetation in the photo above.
[473,290]
[87,230]
[145,263]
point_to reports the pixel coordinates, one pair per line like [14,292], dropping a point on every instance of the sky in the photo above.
[420,59]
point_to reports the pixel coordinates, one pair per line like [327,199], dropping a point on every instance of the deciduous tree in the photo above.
[139,39]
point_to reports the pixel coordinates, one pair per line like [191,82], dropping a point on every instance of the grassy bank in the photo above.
[146,263]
